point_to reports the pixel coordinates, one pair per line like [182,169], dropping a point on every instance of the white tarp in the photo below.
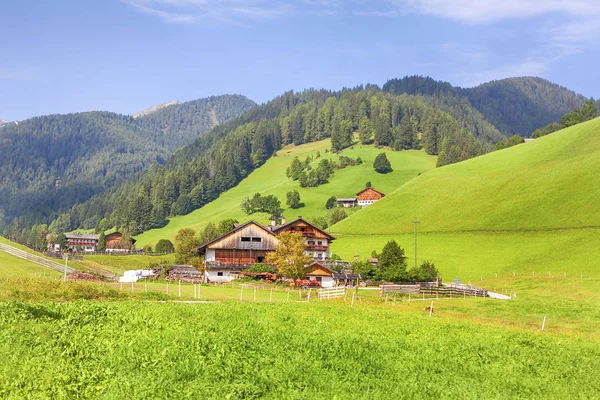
[135,275]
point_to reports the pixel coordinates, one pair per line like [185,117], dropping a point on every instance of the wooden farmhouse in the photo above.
[368,196]
[247,244]
[229,254]
[81,242]
[317,241]
[114,243]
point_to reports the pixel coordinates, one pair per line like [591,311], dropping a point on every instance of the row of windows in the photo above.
[251,239]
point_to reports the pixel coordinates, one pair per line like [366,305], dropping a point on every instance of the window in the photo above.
[319,243]
[245,239]
[257,239]
[219,273]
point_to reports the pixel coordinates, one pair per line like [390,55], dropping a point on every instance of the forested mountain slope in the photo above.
[51,162]
[219,160]
[511,106]
[547,184]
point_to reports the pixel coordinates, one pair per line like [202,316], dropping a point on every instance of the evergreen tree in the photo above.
[382,164]
[392,262]
[101,242]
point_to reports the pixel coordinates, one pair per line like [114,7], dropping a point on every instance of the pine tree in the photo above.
[382,164]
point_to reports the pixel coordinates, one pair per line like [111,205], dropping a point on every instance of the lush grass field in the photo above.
[11,266]
[550,183]
[118,263]
[135,349]
[271,179]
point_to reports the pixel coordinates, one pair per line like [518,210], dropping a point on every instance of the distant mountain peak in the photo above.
[155,108]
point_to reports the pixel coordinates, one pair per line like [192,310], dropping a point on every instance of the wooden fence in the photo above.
[332,293]
[432,290]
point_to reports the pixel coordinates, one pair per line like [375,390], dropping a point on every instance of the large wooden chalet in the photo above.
[116,244]
[247,244]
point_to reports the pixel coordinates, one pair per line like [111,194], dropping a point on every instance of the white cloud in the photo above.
[488,11]
[195,11]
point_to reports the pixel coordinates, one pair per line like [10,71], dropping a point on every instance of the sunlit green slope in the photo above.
[551,183]
[271,179]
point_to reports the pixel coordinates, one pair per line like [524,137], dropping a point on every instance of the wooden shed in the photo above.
[114,243]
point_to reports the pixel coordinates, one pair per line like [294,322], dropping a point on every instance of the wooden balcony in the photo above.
[316,247]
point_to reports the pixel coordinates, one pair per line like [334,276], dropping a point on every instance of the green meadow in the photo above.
[271,179]
[141,349]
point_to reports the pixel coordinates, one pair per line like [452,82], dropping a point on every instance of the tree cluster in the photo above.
[269,204]
[588,111]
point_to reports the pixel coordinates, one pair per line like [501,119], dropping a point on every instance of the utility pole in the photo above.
[415,222]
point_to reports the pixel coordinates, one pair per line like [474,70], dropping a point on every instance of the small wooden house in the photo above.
[368,196]
[319,272]
[115,243]
[346,202]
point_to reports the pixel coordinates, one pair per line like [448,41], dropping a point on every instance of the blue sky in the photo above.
[127,55]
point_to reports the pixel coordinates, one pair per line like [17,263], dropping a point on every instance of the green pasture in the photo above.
[550,183]
[472,255]
[141,349]
[11,266]
[271,179]
[117,264]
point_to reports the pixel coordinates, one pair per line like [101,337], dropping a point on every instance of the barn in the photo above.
[115,243]
[368,196]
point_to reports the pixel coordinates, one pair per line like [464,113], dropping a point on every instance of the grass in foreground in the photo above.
[234,350]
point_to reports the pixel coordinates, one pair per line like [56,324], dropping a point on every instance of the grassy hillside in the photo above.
[528,209]
[271,179]
[550,183]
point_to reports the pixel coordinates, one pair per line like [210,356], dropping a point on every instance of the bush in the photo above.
[260,267]
[164,246]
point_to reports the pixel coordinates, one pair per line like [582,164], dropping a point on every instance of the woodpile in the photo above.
[83,276]
[184,273]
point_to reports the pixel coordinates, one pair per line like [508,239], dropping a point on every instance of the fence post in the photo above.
[241,293]
[309,294]
[543,323]
[132,286]
[180,288]
[352,305]
[386,298]
[431,309]
[394,300]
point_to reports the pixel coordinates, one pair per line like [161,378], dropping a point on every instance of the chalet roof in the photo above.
[277,228]
[321,265]
[370,188]
[81,236]
[236,228]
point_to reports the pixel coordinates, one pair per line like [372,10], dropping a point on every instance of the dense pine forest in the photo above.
[52,162]
[408,113]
